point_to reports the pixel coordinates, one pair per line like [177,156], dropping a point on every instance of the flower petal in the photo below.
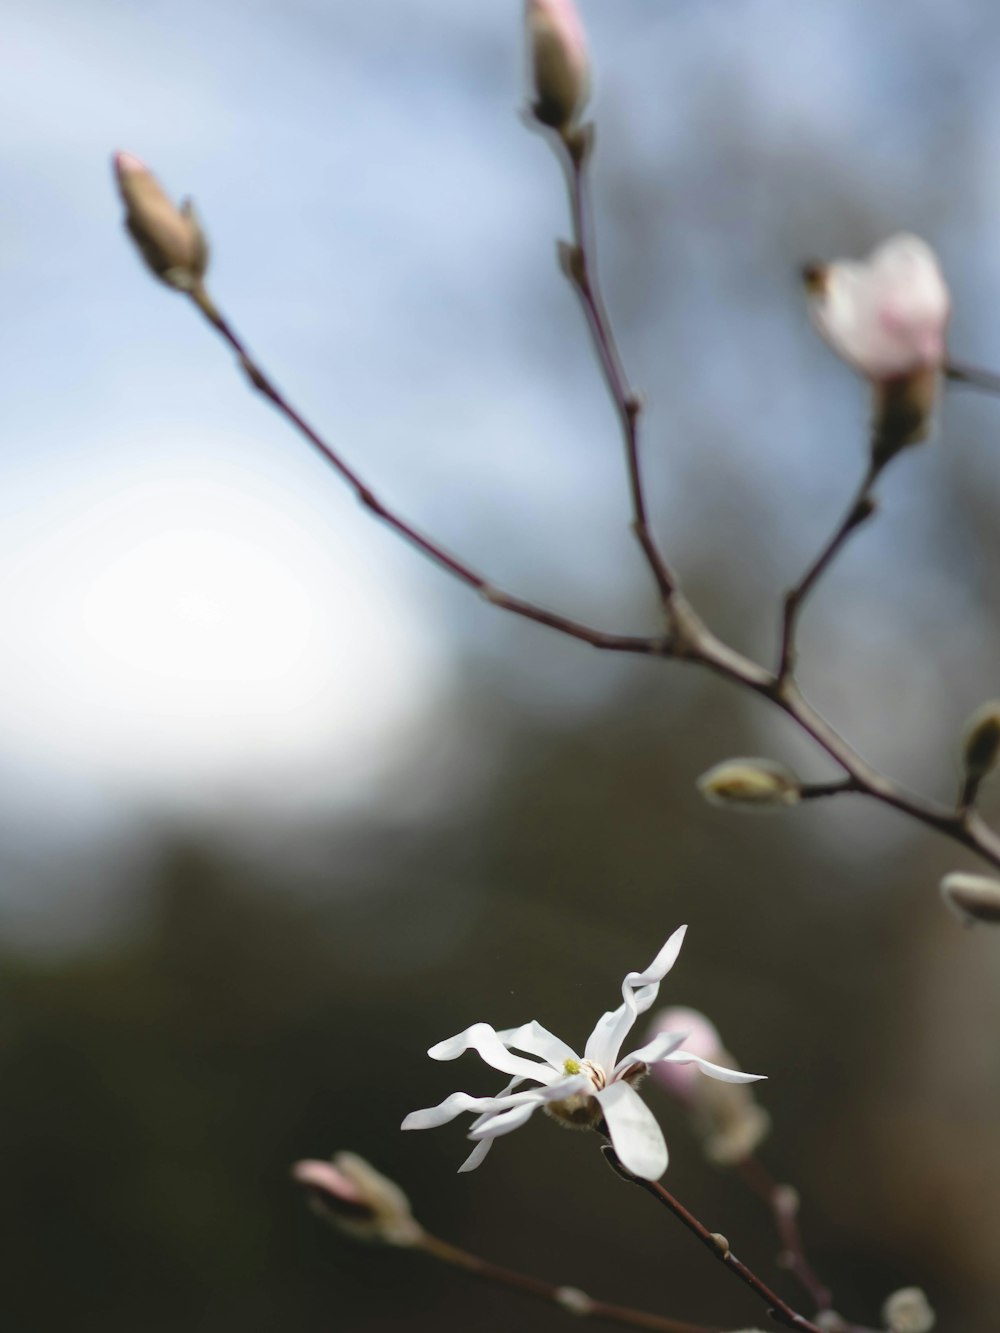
[504,1092]
[504,1121]
[475,1157]
[536,1040]
[713,1071]
[635,1135]
[488,1044]
[639,990]
[662,1045]
[458,1102]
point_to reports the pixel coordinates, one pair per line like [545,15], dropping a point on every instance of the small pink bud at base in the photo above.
[560,67]
[356,1199]
[703,1039]
[725,1116]
[170,239]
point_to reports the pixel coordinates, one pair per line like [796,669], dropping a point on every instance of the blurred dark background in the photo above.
[281,806]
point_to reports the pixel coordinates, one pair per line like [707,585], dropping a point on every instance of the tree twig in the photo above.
[619,643]
[579,263]
[783,1202]
[972,376]
[571,1299]
[697,645]
[860,510]
[718,1246]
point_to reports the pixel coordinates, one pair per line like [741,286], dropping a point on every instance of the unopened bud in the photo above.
[888,316]
[560,66]
[750,784]
[354,1197]
[725,1116]
[169,238]
[973,898]
[908,1311]
[575,1301]
[981,744]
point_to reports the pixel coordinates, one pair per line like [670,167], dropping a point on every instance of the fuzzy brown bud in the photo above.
[981,743]
[560,67]
[170,239]
[908,1311]
[973,898]
[750,784]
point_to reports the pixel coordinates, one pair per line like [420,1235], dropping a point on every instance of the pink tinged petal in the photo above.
[639,991]
[703,1039]
[887,316]
[536,1040]
[662,1045]
[635,1135]
[482,1039]
[713,1071]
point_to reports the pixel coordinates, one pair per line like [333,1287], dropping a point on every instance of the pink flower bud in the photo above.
[169,238]
[725,1116]
[358,1200]
[703,1039]
[887,315]
[560,66]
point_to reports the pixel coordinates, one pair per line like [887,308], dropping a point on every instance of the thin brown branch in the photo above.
[618,643]
[719,1247]
[783,1203]
[569,1298]
[691,640]
[861,508]
[972,376]
[579,263]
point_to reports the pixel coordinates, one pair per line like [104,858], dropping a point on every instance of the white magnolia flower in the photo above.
[886,316]
[578,1090]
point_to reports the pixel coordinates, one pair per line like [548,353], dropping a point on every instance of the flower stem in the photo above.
[579,262]
[690,639]
[569,1298]
[718,1246]
[860,510]
[783,1202]
[515,605]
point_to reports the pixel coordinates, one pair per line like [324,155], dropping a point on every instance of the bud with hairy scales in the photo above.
[560,66]
[170,239]
[759,785]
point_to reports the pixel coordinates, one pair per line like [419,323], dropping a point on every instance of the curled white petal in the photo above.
[662,1045]
[488,1044]
[635,1135]
[536,1040]
[639,991]
[712,1070]
[505,1121]
[446,1111]
[477,1155]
